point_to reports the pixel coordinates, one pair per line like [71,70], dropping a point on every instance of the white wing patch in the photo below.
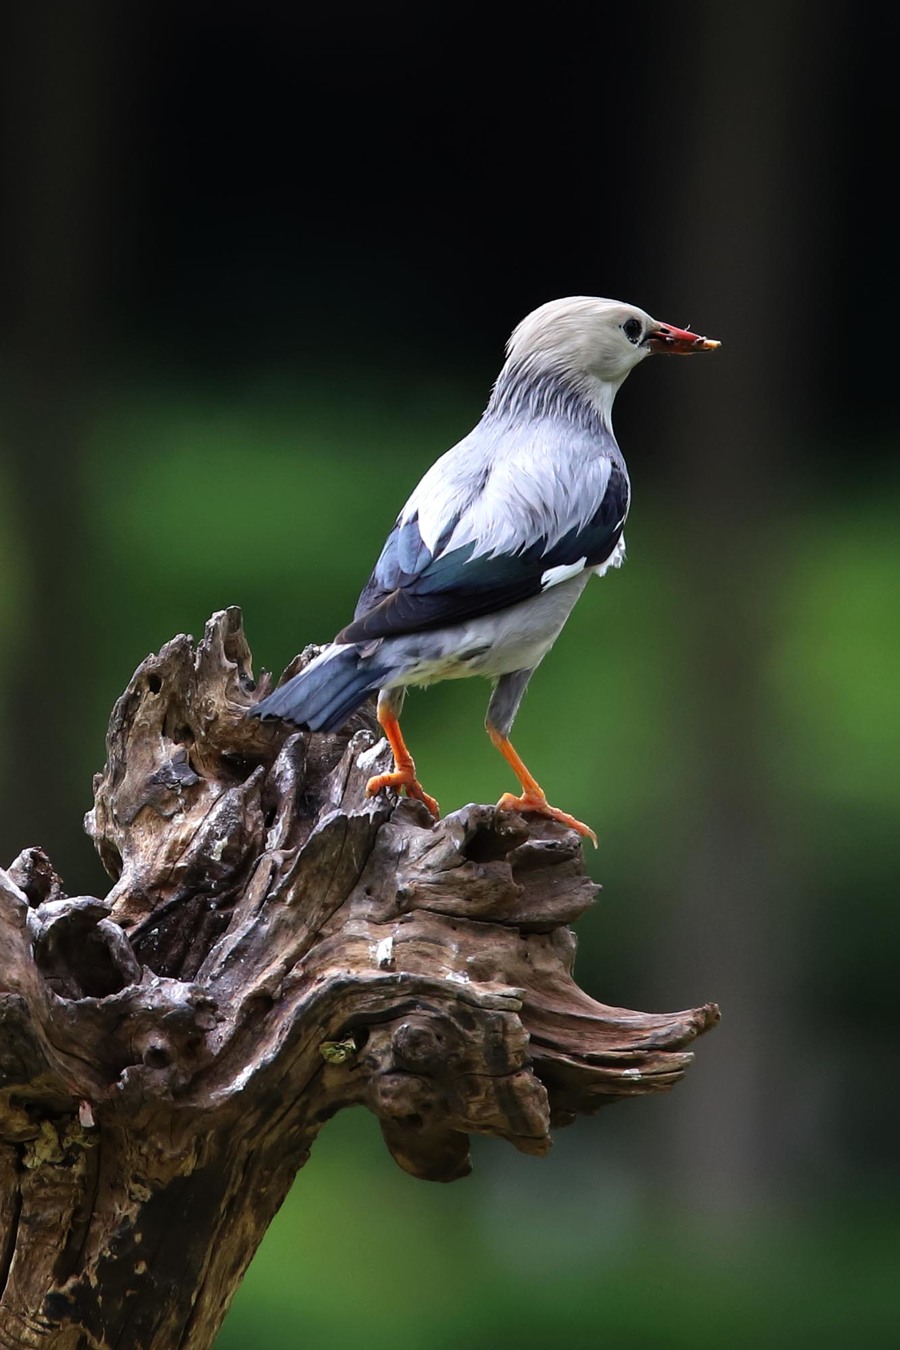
[615,559]
[554,575]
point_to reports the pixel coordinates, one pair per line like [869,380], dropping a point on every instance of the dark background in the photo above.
[258,262]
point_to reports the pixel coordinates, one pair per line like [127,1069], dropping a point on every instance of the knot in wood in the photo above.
[405,1097]
[423,1047]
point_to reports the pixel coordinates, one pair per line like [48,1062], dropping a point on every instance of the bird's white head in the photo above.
[593,343]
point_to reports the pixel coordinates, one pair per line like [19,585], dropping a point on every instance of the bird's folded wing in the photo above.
[473,571]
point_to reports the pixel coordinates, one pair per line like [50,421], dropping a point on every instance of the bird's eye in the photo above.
[632,329]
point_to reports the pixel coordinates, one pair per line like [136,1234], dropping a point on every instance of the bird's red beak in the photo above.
[678,341]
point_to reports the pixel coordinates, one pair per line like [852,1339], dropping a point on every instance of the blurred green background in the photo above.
[259,264]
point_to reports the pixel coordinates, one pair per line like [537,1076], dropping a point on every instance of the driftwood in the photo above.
[276,946]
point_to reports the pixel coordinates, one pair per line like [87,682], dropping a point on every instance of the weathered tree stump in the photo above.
[276,946]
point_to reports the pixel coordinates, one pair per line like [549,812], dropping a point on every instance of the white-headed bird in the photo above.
[497,542]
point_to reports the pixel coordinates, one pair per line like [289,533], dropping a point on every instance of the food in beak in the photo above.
[678,341]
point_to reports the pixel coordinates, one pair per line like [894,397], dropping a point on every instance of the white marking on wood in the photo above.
[367,759]
[384,954]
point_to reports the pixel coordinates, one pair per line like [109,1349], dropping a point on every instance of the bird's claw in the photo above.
[405,780]
[530,801]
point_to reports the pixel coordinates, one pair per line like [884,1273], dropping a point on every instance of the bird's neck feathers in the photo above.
[531,386]
[567,359]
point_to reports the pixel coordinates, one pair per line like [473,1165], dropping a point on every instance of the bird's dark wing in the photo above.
[413,589]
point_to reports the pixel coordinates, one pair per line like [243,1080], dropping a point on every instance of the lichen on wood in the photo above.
[275,946]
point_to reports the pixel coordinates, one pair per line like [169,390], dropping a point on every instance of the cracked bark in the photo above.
[275,947]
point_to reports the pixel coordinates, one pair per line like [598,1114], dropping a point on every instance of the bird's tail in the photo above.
[324,694]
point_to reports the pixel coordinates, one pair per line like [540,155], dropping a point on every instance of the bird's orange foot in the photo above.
[406,780]
[531,801]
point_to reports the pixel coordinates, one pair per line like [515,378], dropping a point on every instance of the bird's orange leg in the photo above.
[404,775]
[533,797]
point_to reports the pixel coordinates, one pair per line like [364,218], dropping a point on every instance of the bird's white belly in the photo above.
[513,639]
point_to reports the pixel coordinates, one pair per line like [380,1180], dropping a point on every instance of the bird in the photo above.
[488,557]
